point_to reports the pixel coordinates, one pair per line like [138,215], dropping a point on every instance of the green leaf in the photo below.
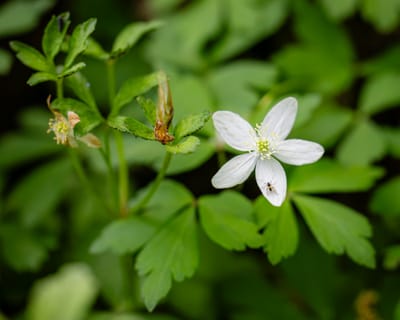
[238,84]
[281,235]
[72,289]
[386,200]
[39,77]
[149,108]
[54,34]
[338,229]
[132,88]
[89,118]
[392,136]
[380,93]
[388,61]
[123,236]
[95,50]
[331,176]
[38,193]
[186,145]
[30,57]
[247,22]
[228,220]
[364,144]
[71,70]
[5,61]
[339,9]
[191,124]
[81,88]
[128,37]
[79,40]
[171,253]
[131,126]
[392,257]
[326,125]
[175,194]
[21,248]
[28,13]
[383,14]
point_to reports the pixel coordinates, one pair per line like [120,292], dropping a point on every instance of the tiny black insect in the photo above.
[270,188]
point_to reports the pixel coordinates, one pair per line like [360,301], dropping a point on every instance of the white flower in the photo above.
[264,145]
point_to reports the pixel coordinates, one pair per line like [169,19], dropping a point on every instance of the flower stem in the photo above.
[59,87]
[154,186]
[111,81]
[123,183]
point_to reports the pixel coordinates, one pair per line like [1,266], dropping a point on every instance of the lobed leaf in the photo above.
[54,34]
[330,176]
[132,88]
[149,108]
[191,124]
[338,229]
[186,145]
[79,40]
[30,57]
[123,236]
[39,77]
[128,37]
[228,220]
[171,253]
[131,126]
[281,235]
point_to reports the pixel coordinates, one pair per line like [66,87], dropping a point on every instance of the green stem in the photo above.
[122,175]
[60,91]
[111,81]
[154,186]
[85,180]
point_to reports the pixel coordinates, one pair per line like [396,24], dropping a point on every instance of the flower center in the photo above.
[61,129]
[263,148]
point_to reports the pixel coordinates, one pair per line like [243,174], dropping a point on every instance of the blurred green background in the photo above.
[341,59]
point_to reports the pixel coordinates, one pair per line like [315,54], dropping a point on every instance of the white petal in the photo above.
[271,180]
[279,120]
[235,171]
[236,131]
[298,152]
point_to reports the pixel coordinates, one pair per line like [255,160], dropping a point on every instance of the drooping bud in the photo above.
[164,112]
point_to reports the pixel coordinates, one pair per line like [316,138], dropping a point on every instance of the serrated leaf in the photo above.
[191,124]
[281,234]
[38,193]
[171,253]
[149,108]
[81,88]
[132,88]
[39,77]
[123,236]
[54,34]
[330,176]
[228,220]
[30,57]
[89,119]
[386,199]
[338,229]
[71,70]
[128,37]
[72,289]
[364,145]
[186,145]
[131,126]
[79,40]
[380,92]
